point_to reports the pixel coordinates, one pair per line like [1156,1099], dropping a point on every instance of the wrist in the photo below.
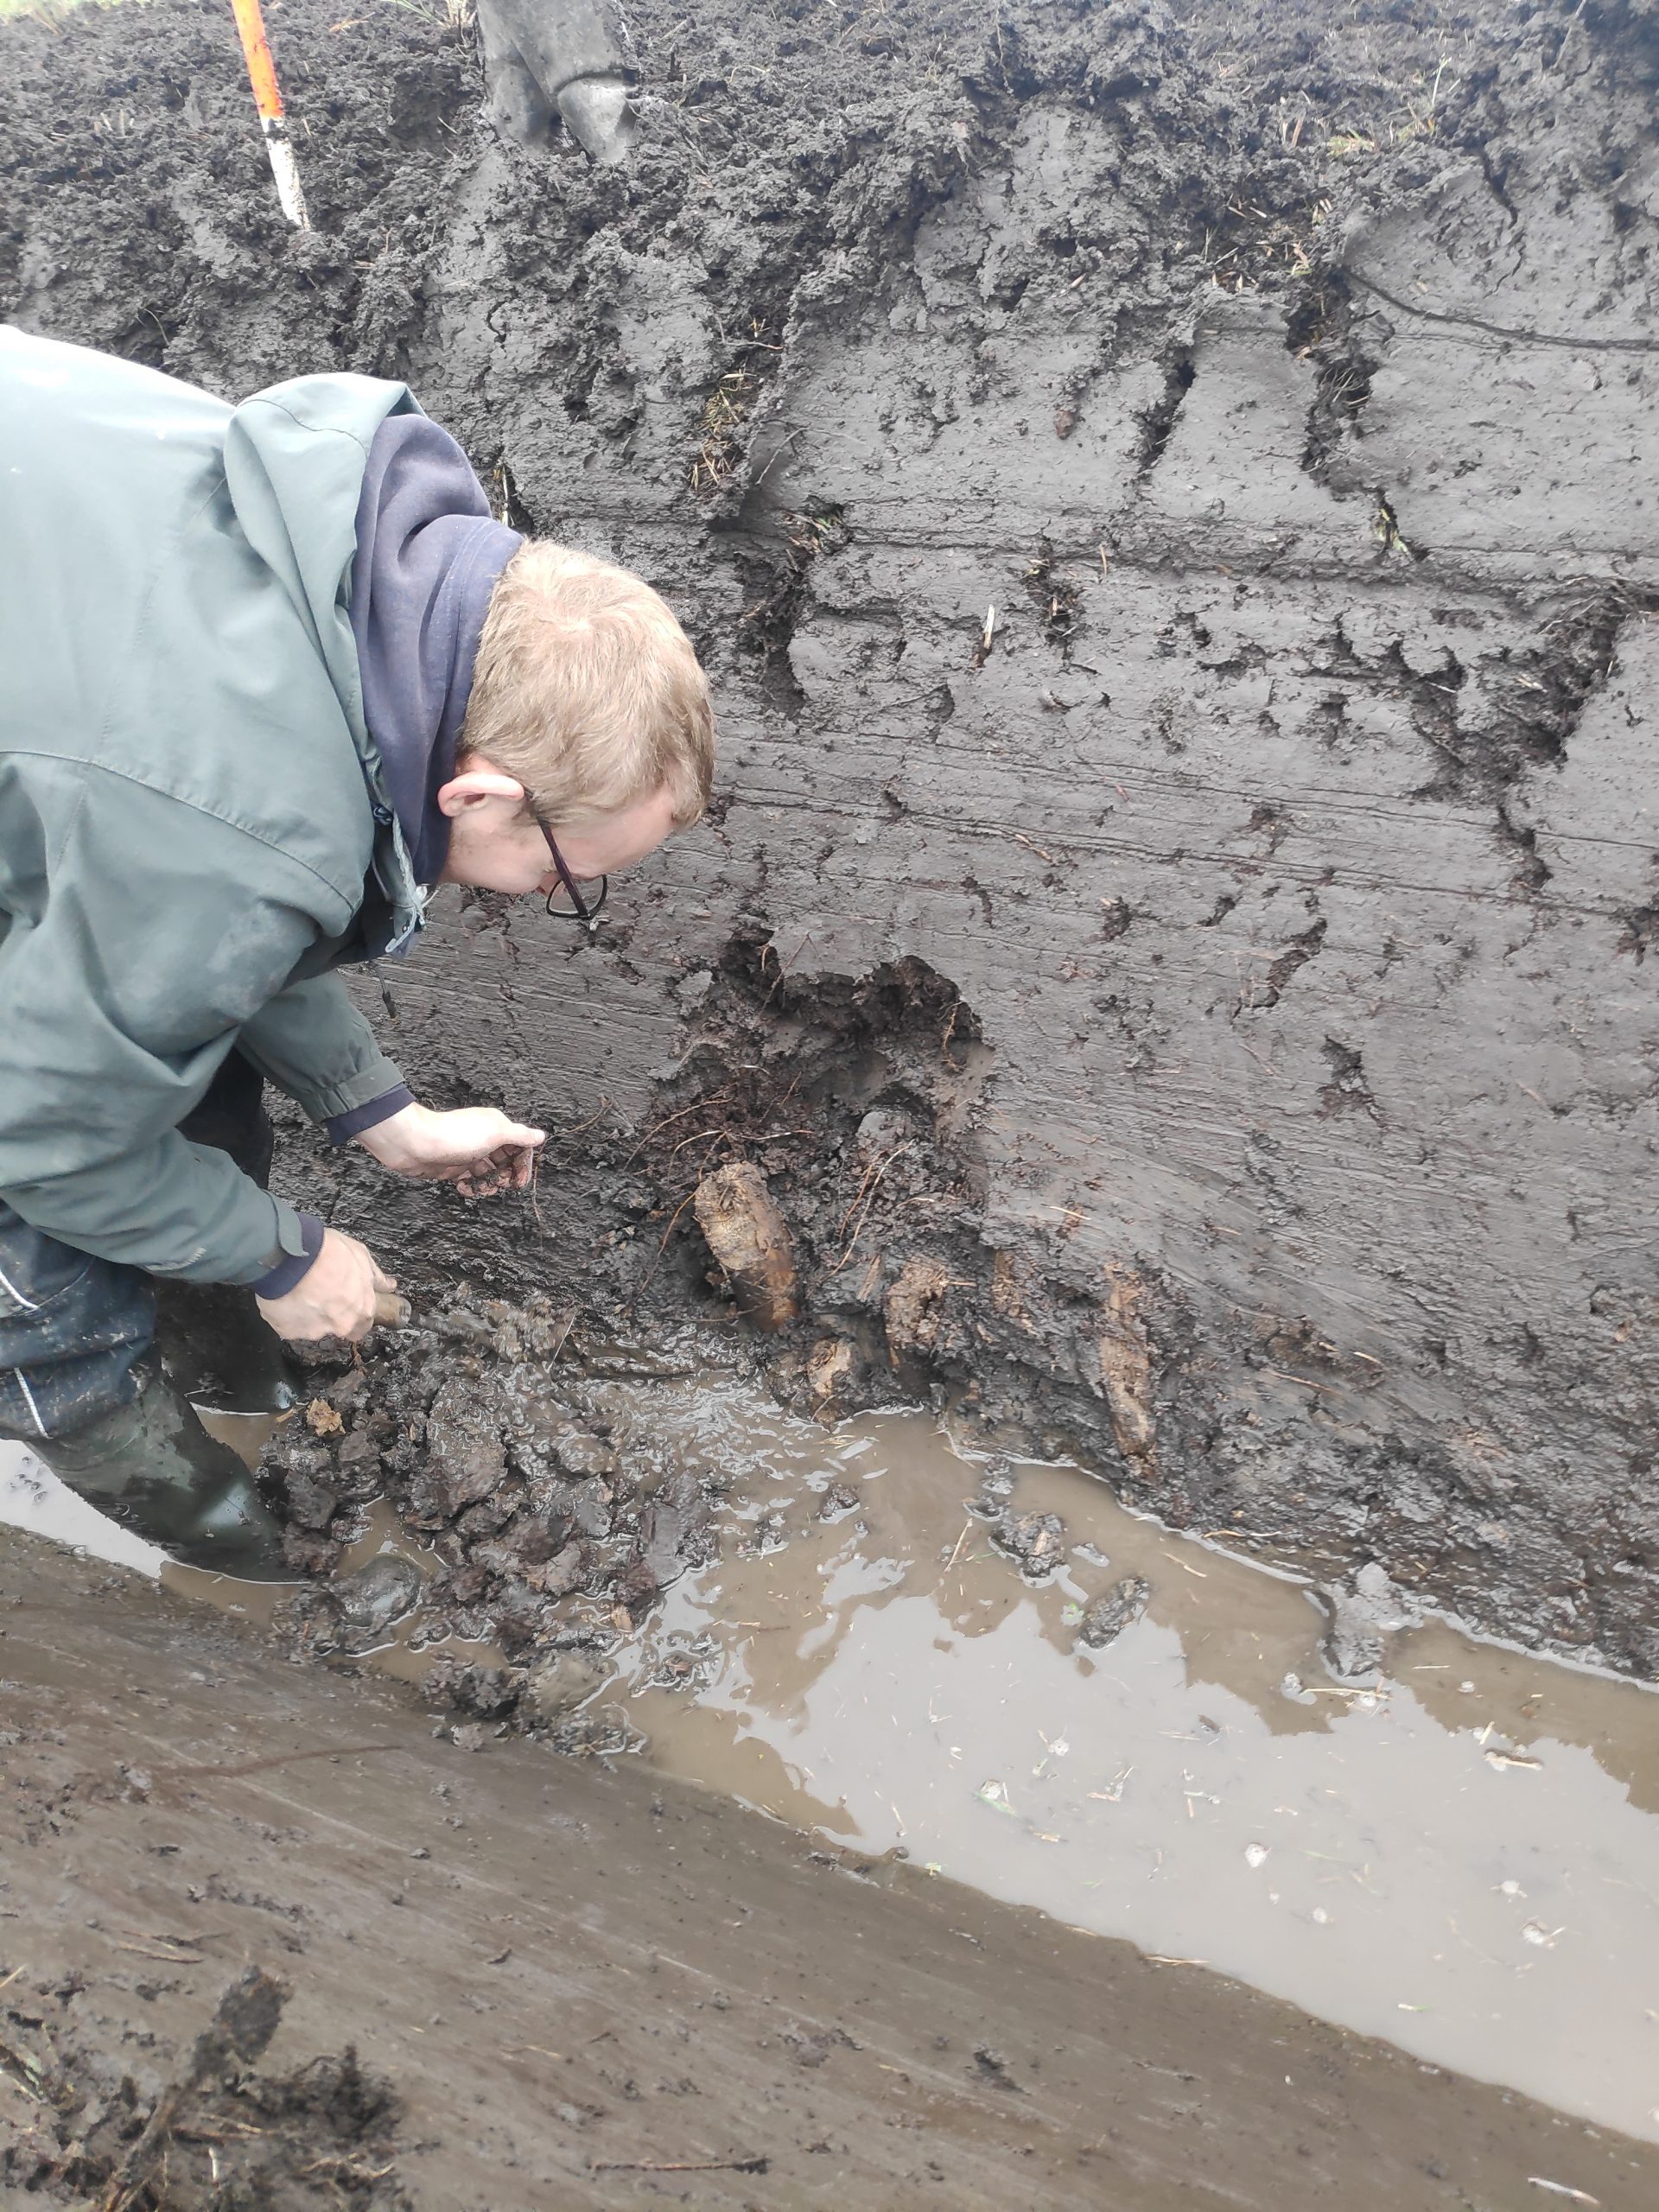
[342,1127]
[291,1267]
[394,1141]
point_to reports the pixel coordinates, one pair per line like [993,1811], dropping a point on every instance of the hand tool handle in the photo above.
[390,1311]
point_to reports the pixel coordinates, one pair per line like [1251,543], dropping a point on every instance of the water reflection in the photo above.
[1461,1863]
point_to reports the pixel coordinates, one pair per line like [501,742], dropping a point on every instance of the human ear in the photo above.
[474,787]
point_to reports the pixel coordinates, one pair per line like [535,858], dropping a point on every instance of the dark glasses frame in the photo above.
[587,912]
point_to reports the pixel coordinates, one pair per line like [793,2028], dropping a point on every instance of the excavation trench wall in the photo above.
[1168,497]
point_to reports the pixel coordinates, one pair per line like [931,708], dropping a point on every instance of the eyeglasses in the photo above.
[565,902]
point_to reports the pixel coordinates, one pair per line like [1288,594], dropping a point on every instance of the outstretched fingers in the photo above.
[509,1167]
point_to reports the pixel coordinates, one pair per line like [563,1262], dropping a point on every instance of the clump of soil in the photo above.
[1107,1618]
[854,1097]
[549,1540]
[211,2135]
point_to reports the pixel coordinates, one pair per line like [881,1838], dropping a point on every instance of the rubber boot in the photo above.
[599,114]
[573,55]
[216,1347]
[152,1466]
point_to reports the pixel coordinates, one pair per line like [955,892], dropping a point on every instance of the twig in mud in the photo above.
[564,1137]
[872,1186]
[787,965]
[26,2071]
[673,1223]
[1279,1376]
[679,2165]
[581,1127]
[698,1139]
[679,1114]
[352,2169]
[244,2022]
[173,1943]
[768,1136]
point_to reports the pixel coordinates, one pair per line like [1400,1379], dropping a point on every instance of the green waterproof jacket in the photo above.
[190,805]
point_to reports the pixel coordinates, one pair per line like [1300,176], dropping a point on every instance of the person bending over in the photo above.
[268,674]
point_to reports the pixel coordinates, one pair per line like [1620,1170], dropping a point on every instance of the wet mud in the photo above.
[882,1634]
[1164,495]
[570,1986]
[214,2136]
[918,1652]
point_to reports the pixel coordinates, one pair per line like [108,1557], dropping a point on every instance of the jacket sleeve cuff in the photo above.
[291,1269]
[369,1083]
[342,1127]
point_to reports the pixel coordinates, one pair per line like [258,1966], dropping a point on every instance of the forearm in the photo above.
[175,1209]
[312,1042]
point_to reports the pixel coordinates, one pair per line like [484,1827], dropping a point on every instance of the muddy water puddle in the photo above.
[1464,1860]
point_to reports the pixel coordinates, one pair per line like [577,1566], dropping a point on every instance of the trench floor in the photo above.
[1459,1860]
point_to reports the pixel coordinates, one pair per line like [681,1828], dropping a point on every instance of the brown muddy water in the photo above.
[1464,1860]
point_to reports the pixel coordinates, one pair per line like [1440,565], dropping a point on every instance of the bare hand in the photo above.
[335,1295]
[477,1149]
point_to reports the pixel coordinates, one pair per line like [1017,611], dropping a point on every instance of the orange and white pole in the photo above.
[268,98]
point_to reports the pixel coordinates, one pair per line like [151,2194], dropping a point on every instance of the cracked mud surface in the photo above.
[1166,498]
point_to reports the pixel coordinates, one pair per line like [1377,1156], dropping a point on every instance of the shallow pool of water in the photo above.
[1467,1861]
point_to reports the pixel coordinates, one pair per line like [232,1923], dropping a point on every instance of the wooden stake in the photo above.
[268,98]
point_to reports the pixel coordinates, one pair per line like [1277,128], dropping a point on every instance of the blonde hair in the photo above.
[587,691]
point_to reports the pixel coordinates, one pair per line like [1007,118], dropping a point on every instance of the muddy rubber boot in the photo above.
[599,114]
[572,57]
[219,1353]
[152,1466]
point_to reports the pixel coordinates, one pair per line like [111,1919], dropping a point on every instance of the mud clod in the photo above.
[1365,1612]
[1035,1541]
[1105,1620]
[558,1689]
[218,2138]
[577,1536]
[377,1595]
[831,1368]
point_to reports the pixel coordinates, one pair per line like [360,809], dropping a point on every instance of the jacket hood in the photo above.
[428,554]
[295,456]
